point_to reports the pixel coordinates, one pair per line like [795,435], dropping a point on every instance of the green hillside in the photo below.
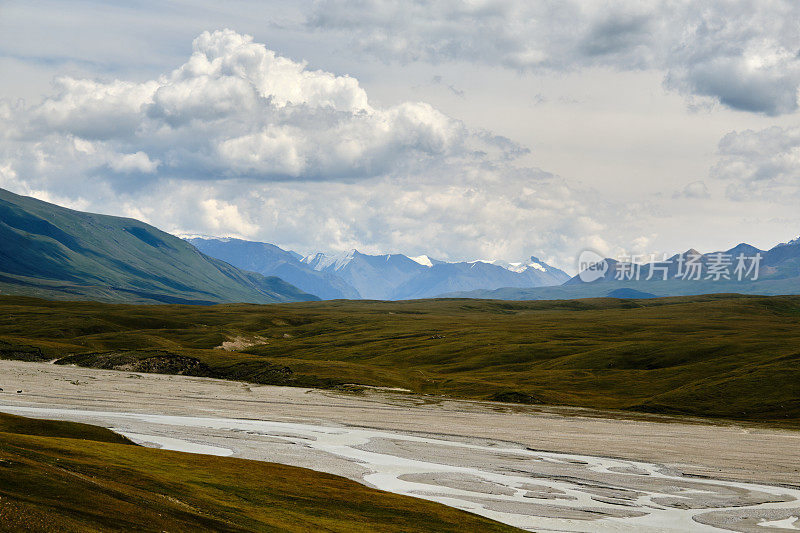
[53,252]
[726,356]
[62,476]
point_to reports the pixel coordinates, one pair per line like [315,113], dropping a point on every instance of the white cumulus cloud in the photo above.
[138,162]
[237,109]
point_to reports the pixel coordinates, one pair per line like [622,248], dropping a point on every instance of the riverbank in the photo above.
[522,465]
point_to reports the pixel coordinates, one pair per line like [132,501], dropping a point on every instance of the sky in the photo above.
[483,129]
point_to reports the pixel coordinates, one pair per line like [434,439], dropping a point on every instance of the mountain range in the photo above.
[52,252]
[377,277]
[270,260]
[775,271]
[58,253]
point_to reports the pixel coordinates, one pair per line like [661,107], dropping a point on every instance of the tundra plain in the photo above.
[718,356]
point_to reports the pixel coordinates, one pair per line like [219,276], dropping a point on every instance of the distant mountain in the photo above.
[536,272]
[783,261]
[54,252]
[270,260]
[779,263]
[355,275]
[777,272]
[398,277]
[375,277]
[448,277]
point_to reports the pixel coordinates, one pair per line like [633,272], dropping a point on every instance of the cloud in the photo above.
[742,54]
[696,189]
[237,109]
[761,165]
[241,141]
[437,80]
[138,162]
[478,213]
[220,216]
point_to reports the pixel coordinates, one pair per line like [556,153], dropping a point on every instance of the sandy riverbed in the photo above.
[540,469]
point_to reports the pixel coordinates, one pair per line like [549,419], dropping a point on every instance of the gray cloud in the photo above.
[763,164]
[437,80]
[695,190]
[740,53]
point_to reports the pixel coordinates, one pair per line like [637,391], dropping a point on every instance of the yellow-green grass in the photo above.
[60,476]
[727,356]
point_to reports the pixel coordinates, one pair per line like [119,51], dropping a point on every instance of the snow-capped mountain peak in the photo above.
[522,266]
[202,236]
[322,261]
[352,274]
[517,267]
[423,260]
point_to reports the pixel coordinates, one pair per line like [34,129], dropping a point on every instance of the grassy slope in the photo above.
[60,476]
[54,252]
[721,356]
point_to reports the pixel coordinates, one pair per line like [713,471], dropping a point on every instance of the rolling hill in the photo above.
[54,252]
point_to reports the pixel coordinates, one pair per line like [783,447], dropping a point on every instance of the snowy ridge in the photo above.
[352,274]
[423,260]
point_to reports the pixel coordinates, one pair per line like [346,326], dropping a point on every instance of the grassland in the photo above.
[62,476]
[725,356]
